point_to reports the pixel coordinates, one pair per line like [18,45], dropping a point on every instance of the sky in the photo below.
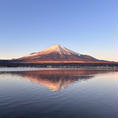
[85,26]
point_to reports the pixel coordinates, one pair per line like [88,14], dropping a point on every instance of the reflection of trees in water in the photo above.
[56,79]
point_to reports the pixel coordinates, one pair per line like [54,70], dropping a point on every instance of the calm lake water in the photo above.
[53,93]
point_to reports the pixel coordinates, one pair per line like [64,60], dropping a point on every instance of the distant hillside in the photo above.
[58,54]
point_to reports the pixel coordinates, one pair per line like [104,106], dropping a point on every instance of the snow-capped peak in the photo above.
[59,49]
[56,53]
[55,48]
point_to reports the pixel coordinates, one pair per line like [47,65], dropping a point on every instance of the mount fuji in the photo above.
[58,54]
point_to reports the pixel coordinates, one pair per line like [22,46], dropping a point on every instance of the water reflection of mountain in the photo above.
[57,79]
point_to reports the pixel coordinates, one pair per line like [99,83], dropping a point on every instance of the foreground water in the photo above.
[62,93]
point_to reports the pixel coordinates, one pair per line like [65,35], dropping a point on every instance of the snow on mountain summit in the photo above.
[59,49]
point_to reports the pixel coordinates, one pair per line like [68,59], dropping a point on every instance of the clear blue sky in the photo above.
[85,26]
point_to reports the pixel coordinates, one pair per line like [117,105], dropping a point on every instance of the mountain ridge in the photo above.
[57,53]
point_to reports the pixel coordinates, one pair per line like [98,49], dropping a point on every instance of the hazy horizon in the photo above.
[84,26]
[53,48]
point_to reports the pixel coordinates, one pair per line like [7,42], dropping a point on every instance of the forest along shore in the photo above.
[89,66]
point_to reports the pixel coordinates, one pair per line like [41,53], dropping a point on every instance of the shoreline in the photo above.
[2,69]
[76,66]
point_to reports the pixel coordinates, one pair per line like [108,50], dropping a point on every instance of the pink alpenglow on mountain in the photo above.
[57,54]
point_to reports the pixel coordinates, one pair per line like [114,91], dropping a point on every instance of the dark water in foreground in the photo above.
[59,94]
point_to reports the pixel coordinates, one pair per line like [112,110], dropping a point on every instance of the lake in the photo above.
[58,93]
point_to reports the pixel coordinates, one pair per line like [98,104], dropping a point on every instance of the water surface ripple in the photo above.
[59,93]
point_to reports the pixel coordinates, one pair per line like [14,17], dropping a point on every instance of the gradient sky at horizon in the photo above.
[85,26]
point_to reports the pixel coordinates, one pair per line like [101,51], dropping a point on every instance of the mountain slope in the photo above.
[57,53]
